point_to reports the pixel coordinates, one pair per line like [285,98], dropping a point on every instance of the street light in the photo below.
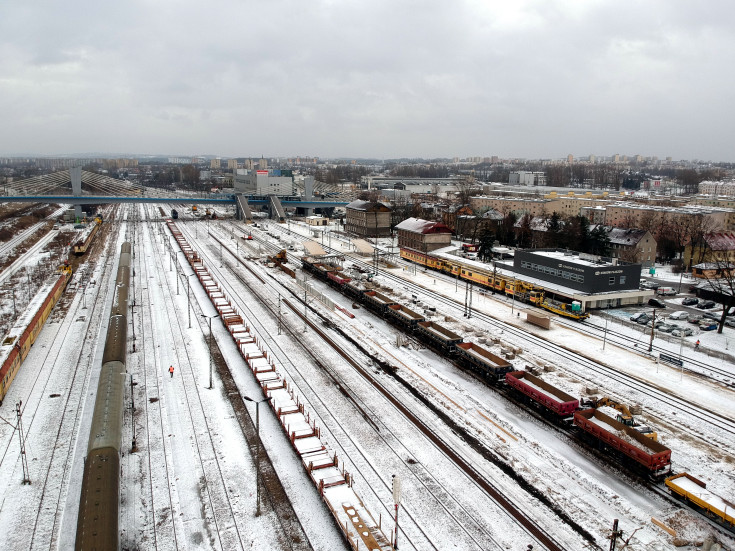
[210,345]
[257,443]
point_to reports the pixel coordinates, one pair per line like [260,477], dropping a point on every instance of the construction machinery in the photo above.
[624,415]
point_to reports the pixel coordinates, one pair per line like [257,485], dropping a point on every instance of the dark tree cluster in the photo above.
[572,233]
[341,173]
[419,171]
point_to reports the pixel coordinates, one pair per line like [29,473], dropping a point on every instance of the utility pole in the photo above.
[653,325]
[306,311]
[396,502]
[21,438]
[615,534]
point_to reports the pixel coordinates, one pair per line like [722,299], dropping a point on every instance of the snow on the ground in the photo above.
[197,440]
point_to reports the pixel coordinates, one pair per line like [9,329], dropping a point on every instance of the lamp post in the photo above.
[257,443]
[513,300]
[209,318]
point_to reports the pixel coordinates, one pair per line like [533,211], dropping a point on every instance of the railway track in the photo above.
[350,447]
[64,374]
[214,490]
[163,527]
[19,238]
[229,531]
[218,517]
[657,489]
[575,360]
[472,474]
[692,365]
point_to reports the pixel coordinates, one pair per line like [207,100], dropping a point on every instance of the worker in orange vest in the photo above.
[171,370]
[697,344]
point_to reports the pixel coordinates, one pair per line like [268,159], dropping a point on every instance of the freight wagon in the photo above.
[542,394]
[633,448]
[440,336]
[694,491]
[484,362]
[404,316]
[378,301]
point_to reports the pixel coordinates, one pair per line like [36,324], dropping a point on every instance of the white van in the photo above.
[666,291]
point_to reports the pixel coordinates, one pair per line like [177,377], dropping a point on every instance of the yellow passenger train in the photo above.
[523,291]
[17,343]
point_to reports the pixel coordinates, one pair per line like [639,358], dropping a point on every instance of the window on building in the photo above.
[611,280]
[622,280]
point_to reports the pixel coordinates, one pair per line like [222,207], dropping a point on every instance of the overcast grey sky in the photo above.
[369,78]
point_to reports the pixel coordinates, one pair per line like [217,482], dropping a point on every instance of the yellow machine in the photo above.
[624,416]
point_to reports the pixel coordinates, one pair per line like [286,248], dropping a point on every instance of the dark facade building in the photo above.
[582,272]
[368,218]
[423,235]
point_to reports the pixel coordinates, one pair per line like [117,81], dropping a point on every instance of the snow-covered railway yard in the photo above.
[190,484]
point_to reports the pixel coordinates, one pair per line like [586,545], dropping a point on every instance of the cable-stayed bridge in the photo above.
[80,187]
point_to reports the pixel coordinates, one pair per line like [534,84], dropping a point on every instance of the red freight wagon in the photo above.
[338,277]
[543,393]
[652,455]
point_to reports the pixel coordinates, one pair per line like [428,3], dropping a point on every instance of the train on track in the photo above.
[499,283]
[17,343]
[98,521]
[330,478]
[622,443]
[81,246]
[487,365]
[694,492]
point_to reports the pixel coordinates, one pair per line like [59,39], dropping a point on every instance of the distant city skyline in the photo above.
[534,79]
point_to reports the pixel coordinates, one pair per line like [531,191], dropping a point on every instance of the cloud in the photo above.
[384,79]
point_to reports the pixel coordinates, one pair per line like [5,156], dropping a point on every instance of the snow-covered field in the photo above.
[191,482]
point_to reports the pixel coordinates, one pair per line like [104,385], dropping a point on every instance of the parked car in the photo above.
[730,322]
[689,301]
[667,327]
[682,332]
[695,319]
[656,303]
[666,291]
[707,325]
[656,324]
[704,304]
[644,319]
[712,316]
[637,316]
[679,315]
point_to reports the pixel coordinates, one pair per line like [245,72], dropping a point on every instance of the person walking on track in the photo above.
[171,371]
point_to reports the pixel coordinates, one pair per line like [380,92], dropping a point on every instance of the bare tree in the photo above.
[466,188]
[699,227]
[722,282]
